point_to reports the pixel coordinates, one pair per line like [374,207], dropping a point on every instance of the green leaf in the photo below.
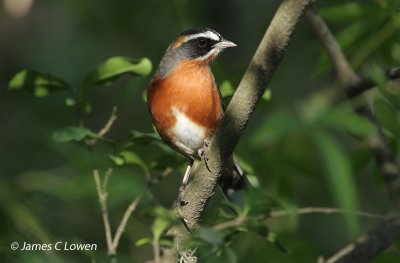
[386,115]
[351,33]
[222,214]
[340,175]
[166,241]
[144,96]
[391,92]
[274,240]
[377,74]
[159,226]
[87,107]
[39,84]
[143,241]
[226,88]
[20,214]
[341,12]
[348,38]
[133,158]
[70,102]
[349,11]
[210,236]
[395,52]
[117,159]
[254,182]
[247,167]
[267,95]
[73,133]
[346,119]
[115,67]
[144,137]
[163,219]
[229,255]
[280,124]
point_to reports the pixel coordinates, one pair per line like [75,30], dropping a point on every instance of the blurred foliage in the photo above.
[305,146]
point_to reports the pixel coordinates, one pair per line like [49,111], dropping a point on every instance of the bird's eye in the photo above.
[202,42]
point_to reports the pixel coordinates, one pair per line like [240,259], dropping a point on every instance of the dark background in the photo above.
[47,192]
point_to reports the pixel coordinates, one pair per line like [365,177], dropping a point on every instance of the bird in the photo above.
[186,105]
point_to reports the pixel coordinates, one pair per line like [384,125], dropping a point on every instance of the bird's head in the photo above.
[200,45]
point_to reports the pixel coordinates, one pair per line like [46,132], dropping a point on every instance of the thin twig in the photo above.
[101,187]
[106,128]
[372,243]
[230,223]
[121,228]
[103,204]
[156,251]
[109,123]
[107,178]
[322,210]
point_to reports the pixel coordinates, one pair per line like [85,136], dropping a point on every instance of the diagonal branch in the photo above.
[385,233]
[107,127]
[253,84]
[368,246]
[124,221]
[323,210]
[101,188]
[348,78]
[104,211]
[344,71]
[367,83]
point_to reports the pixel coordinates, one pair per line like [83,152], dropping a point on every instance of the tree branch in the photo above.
[107,127]
[253,84]
[322,210]
[104,210]
[101,188]
[367,83]
[371,244]
[109,123]
[344,71]
[121,228]
[385,233]
[348,78]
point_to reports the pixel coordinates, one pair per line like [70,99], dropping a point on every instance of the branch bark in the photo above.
[253,84]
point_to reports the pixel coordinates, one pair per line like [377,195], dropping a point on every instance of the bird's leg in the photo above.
[203,153]
[182,188]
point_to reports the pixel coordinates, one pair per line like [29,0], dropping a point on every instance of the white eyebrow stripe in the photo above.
[207,34]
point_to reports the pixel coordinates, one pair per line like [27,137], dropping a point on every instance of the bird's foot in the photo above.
[181,202]
[203,153]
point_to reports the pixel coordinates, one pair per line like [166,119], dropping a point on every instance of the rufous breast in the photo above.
[186,106]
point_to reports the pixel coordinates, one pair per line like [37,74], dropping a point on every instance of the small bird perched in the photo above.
[186,104]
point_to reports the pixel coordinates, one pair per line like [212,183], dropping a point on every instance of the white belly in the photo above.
[189,135]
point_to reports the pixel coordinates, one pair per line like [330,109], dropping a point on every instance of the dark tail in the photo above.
[233,184]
